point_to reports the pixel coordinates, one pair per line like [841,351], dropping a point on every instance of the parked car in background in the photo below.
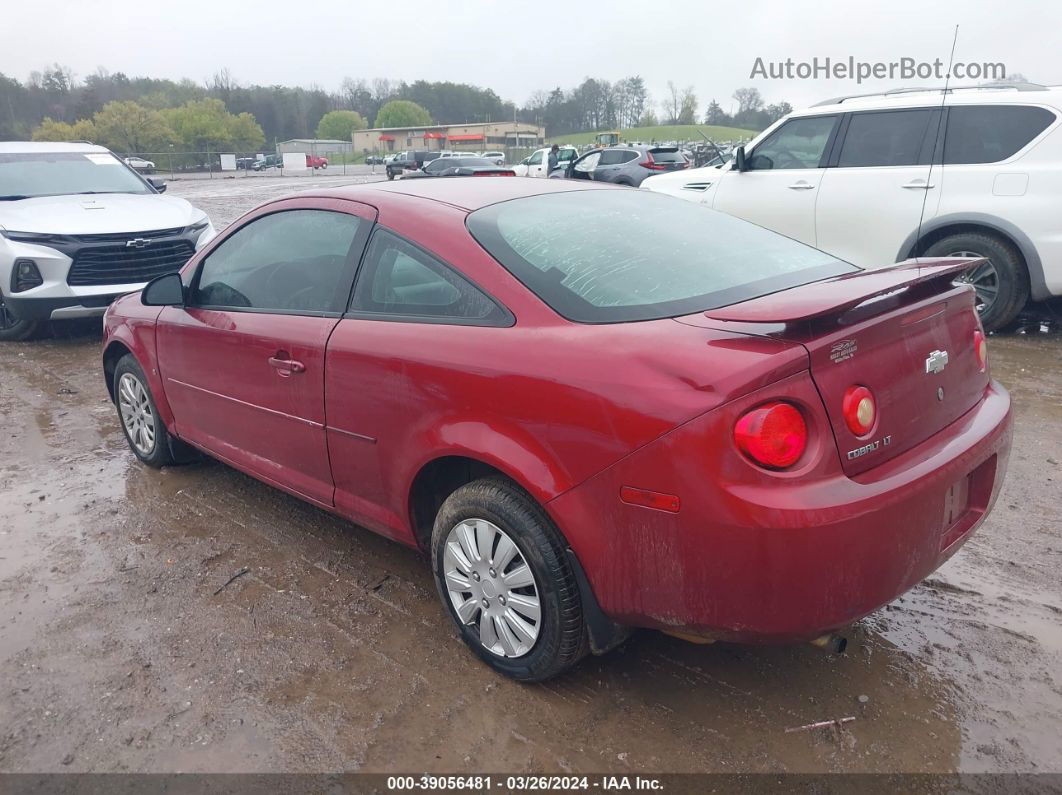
[269,161]
[537,163]
[624,165]
[497,157]
[412,160]
[79,228]
[245,163]
[587,429]
[140,164]
[460,167]
[876,179]
[315,162]
[374,160]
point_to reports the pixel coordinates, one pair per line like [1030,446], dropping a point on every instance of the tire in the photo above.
[390,174]
[13,330]
[559,631]
[1002,284]
[159,452]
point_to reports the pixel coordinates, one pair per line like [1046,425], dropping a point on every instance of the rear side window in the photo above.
[667,155]
[893,138]
[613,157]
[298,261]
[604,256]
[991,133]
[799,143]
[397,278]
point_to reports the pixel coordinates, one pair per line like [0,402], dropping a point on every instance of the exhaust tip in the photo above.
[831,642]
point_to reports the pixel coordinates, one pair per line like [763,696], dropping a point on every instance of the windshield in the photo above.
[611,256]
[62,173]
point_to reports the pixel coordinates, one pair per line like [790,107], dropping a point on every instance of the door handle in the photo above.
[284,365]
[801,185]
[917,185]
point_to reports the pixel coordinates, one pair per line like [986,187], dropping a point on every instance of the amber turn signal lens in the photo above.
[860,410]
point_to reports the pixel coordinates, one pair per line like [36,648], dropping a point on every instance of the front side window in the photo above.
[588,256]
[30,174]
[294,261]
[397,278]
[588,162]
[535,159]
[799,143]
[892,138]
[991,133]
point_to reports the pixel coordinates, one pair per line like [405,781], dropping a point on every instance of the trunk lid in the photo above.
[904,332]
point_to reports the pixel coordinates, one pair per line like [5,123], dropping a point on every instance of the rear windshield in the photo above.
[667,155]
[613,256]
[61,173]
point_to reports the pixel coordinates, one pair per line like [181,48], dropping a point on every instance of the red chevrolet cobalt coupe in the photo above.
[596,408]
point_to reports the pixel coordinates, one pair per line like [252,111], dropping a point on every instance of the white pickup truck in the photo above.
[536,164]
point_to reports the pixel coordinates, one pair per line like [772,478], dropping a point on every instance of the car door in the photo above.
[611,163]
[779,188]
[536,164]
[585,166]
[385,371]
[878,186]
[243,360]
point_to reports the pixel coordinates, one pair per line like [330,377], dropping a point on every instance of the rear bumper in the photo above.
[786,558]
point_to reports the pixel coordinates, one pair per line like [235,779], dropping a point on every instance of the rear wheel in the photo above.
[14,330]
[390,174]
[1001,282]
[504,577]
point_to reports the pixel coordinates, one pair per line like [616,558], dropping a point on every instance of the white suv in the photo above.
[78,228]
[920,172]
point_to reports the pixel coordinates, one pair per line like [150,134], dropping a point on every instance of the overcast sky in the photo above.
[710,45]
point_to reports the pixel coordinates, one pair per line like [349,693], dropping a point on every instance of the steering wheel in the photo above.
[786,159]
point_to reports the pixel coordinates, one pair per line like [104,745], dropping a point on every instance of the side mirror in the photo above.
[525,161]
[157,184]
[165,290]
[739,159]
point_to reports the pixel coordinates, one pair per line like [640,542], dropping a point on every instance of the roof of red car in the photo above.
[468,193]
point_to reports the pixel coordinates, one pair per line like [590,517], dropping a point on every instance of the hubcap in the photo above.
[984,279]
[491,587]
[137,417]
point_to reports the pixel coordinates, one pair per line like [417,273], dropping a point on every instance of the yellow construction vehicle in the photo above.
[610,138]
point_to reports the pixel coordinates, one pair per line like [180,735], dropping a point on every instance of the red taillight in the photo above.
[773,435]
[860,410]
[981,348]
[651,164]
[494,174]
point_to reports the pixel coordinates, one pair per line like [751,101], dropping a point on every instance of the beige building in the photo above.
[470,137]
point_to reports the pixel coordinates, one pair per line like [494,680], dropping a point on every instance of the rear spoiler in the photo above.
[841,293]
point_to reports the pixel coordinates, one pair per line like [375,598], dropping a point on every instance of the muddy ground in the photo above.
[118,653]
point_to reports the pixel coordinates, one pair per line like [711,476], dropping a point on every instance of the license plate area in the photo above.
[966,501]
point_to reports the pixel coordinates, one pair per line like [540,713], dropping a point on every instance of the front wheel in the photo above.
[502,572]
[14,330]
[1001,283]
[144,430]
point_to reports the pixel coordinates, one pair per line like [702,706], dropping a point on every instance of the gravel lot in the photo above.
[333,654]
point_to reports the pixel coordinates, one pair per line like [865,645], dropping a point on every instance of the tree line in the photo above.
[143,114]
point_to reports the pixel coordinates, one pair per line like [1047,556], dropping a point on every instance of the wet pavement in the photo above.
[118,651]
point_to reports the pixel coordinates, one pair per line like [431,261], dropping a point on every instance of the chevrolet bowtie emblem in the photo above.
[936,362]
[137,242]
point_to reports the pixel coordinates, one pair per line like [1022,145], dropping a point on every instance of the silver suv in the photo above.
[78,228]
